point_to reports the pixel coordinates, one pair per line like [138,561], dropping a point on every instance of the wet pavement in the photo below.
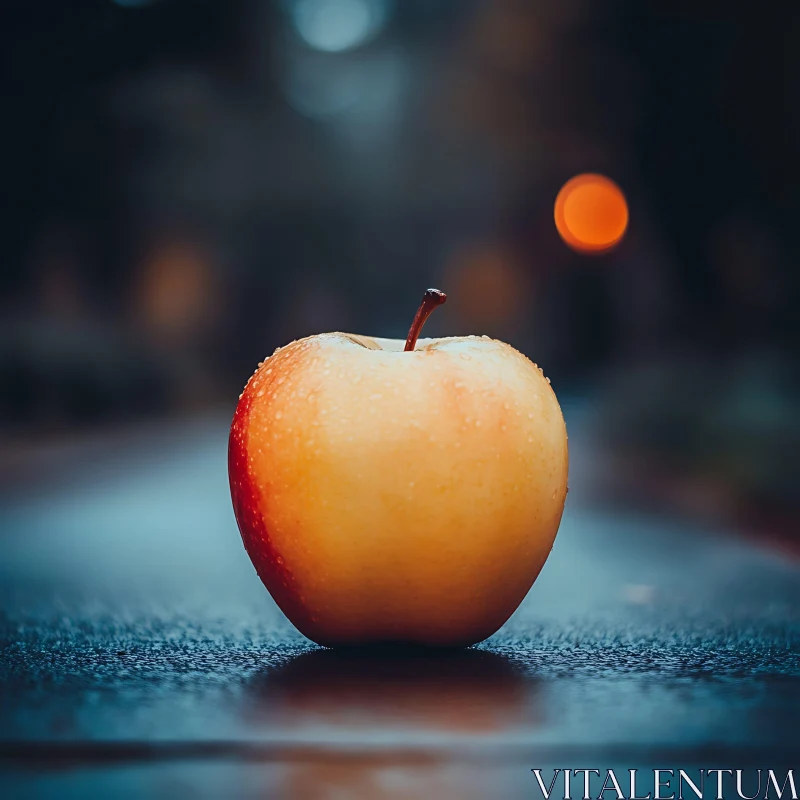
[141,656]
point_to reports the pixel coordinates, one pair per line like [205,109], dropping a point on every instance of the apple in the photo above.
[398,494]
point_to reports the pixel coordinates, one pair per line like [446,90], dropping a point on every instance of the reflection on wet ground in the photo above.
[397,719]
[463,692]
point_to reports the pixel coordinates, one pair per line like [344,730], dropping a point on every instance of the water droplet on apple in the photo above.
[554,494]
[278,415]
[466,357]
[477,423]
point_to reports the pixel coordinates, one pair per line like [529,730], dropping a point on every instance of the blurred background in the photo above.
[189,184]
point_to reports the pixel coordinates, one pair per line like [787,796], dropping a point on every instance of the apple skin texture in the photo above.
[398,497]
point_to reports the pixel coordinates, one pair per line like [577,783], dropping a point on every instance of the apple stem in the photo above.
[430,300]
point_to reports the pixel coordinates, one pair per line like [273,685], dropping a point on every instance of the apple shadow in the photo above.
[347,692]
[386,723]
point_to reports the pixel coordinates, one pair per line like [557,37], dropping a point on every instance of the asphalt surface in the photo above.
[141,656]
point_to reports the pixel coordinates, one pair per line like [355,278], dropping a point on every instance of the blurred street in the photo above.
[195,183]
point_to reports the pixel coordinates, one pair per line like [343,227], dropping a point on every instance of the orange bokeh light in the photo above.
[591,213]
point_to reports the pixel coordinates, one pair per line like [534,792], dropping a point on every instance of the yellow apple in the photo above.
[398,495]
